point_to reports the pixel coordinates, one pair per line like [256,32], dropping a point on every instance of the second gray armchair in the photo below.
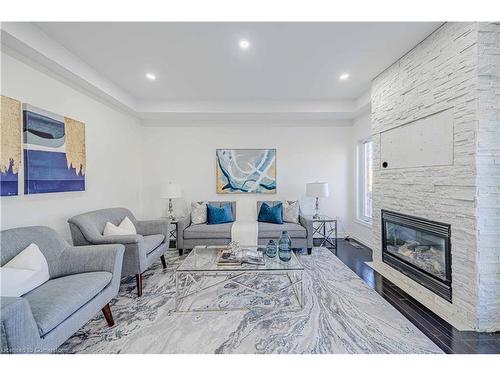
[141,250]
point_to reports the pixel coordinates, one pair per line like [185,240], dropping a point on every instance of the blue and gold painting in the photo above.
[246,171]
[10,152]
[54,152]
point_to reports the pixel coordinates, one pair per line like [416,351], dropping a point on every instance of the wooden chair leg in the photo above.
[163,261]
[138,279]
[106,310]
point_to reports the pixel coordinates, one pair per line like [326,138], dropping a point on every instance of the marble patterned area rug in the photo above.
[341,314]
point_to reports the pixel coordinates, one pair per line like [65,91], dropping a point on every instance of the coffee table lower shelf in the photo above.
[191,283]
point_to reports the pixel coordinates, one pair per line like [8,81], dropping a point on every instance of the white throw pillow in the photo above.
[26,271]
[199,212]
[128,225]
[291,211]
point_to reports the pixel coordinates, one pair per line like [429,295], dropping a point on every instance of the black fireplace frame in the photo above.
[441,287]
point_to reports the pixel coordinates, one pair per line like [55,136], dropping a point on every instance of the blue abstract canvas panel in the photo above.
[54,152]
[246,171]
[10,152]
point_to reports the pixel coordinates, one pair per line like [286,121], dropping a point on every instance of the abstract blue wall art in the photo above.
[246,171]
[54,152]
[10,151]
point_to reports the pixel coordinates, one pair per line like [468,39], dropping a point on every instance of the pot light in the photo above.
[244,44]
[150,76]
[344,76]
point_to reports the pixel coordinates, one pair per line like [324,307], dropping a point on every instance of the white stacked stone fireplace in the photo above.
[456,72]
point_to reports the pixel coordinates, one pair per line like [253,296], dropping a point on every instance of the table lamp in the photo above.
[317,190]
[171,191]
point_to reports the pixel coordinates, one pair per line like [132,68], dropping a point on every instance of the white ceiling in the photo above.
[202,61]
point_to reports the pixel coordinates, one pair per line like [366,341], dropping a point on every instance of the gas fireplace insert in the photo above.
[420,249]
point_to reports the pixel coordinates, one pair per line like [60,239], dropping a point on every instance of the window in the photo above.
[365,180]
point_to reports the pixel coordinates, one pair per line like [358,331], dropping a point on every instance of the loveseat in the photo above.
[190,235]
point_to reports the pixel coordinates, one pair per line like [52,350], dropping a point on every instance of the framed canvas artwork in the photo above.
[54,152]
[10,152]
[246,171]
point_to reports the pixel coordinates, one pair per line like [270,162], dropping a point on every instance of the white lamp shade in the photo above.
[171,191]
[317,189]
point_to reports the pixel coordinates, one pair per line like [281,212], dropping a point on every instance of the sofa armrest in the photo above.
[182,224]
[19,331]
[308,224]
[94,258]
[148,227]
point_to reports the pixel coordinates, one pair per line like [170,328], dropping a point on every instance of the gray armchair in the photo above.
[82,281]
[141,250]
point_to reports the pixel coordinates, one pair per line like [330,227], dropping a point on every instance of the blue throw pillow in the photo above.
[219,215]
[268,214]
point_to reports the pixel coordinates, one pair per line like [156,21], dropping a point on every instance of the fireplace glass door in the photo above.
[417,247]
[420,249]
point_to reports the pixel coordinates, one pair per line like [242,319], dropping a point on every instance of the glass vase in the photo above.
[271,249]
[285,247]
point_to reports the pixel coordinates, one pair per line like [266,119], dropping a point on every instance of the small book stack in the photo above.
[229,257]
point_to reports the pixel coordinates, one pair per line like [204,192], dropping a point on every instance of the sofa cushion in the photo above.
[26,271]
[53,302]
[199,212]
[269,203]
[208,231]
[291,211]
[268,230]
[219,215]
[152,241]
[124,228]
[222,203]
[268,214]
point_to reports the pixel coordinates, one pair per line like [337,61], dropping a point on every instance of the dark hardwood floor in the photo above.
[449,339]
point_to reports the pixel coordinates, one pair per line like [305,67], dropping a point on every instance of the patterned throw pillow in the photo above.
[199,212]
[291,211]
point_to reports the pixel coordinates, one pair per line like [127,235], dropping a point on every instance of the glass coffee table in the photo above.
[203,285]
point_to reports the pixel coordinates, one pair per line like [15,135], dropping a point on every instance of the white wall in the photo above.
[186,155]
[358,230]
[113,141]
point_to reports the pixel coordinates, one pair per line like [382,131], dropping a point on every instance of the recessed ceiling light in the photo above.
[244,44]
[344,76]
[150,76]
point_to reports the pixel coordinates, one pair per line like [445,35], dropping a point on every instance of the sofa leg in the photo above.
[309,250]
[181,251]
[138,279]
[106,310]
[163,261]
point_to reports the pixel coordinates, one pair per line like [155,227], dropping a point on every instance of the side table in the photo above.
[325,228]
[172,233]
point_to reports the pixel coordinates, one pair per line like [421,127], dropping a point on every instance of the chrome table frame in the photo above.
[189,283]
[327,226]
